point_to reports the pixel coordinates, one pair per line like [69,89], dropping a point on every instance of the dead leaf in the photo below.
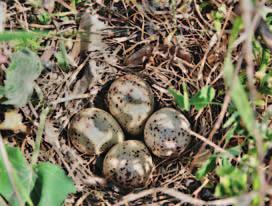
[83,83]
[13,121]
[49,5]
[91,38]
[138,58]
[51,134]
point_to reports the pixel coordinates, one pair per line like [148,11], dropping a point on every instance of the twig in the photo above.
[216,125]
[39,135]
[247,12]
[208,142]
[10,171]
[185,198]
[2,202]
[70,98]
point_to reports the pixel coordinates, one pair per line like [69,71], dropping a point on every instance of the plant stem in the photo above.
[39,135]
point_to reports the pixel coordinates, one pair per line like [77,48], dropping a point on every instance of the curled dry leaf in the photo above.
[138,58]
[51,134]
[13,121]
[49,5]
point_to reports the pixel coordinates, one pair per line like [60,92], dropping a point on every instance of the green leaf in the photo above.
[225,169]
[52,185]
[22,175]
[238,93]
[203,97]
[24,68]
[237,25]
[20,35]
[230,133]
[235,151]
[233,181]
[207,167]
[179,99]
[62,58]
[44,17]
[231,120]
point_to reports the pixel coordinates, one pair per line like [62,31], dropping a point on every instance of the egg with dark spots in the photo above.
[93,131]
[128,164]
[166,132]
[131,102]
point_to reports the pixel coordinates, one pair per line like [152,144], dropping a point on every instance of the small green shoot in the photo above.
[218,17]
[44,18]
[200,100]
[62,58]
[203,98]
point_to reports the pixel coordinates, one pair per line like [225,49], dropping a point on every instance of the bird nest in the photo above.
[167,44]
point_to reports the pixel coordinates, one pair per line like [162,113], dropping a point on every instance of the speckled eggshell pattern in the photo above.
[128,164]
[165,132]
[93,131]
[131,102]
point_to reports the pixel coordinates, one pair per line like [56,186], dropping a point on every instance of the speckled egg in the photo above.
[131,102]
[128,164]
[165,132]
[93,131]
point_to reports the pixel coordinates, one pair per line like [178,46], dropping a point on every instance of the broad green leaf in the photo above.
[20,35]
[179,99]
[22,175]
[24,68]
[52,185]
[207,167]
[203,97]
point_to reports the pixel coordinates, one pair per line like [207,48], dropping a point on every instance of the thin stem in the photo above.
[39,136]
